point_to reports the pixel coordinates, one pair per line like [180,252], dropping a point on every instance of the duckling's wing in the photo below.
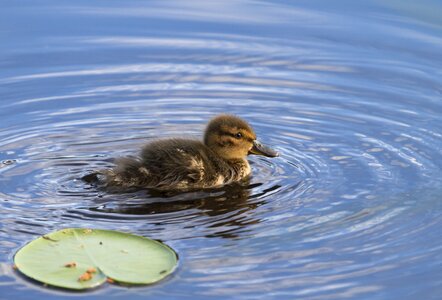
[176,163]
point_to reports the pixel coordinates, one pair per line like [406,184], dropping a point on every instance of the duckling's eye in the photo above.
[238,135]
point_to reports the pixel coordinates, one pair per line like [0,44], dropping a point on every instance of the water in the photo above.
[349,94]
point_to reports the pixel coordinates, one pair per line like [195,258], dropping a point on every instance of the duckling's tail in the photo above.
[91,178]
[126,173]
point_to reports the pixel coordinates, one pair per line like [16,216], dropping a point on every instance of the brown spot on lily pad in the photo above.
[85,277]
[71,264]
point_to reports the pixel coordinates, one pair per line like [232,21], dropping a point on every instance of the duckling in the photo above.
[185,164]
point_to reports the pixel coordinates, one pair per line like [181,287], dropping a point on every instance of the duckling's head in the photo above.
[232,138]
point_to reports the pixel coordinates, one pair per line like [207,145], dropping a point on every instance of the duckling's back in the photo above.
[169,164]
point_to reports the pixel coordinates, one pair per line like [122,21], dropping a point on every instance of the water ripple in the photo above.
[353,198]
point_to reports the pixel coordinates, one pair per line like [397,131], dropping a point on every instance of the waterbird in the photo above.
[187,164]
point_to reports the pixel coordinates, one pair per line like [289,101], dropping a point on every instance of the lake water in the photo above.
[349,92]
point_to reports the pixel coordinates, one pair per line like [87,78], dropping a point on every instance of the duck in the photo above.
[187,164]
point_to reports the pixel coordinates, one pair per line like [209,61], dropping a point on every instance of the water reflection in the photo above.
[225,212]
[256,13]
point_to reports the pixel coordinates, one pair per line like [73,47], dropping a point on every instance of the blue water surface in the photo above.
[349,92]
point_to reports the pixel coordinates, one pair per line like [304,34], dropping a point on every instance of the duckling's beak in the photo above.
[260,149]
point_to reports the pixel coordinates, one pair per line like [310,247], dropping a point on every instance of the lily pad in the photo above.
[78,258]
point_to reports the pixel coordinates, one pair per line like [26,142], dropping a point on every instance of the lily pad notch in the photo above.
[79,258]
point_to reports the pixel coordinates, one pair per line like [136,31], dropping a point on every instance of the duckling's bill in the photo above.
[260,149]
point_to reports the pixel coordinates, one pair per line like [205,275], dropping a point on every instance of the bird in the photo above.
[186,164]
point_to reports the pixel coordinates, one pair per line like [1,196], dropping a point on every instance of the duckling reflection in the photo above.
[224,210]
[181,164]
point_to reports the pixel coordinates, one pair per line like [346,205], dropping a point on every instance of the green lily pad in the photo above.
[77,258]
